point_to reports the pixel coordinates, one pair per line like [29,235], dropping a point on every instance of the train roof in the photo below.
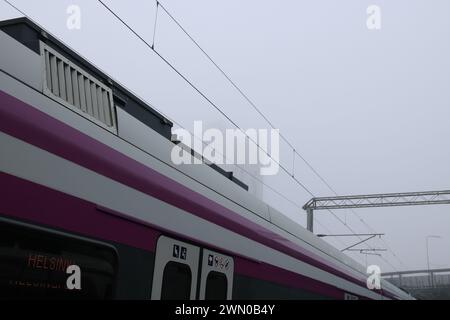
[30,35]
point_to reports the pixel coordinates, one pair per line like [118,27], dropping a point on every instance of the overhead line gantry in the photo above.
[374,201]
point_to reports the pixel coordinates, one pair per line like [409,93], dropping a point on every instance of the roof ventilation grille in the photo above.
[77,89]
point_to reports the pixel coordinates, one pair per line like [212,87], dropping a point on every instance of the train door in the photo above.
[176,270]
[216,282]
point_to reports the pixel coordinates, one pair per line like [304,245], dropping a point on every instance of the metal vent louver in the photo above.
[77,89]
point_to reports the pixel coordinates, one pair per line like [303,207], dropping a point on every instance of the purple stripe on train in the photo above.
[34,203]
[35,127]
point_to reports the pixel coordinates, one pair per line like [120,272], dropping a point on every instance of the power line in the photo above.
[243,94]
[13,6]
[216,106]
[250,101]
[199,91]
[156,24]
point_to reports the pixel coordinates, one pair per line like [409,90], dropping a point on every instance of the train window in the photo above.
[175,274]
[216,286]
[216,281]
[34,264]
[177,279]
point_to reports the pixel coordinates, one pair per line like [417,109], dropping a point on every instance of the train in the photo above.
[86,180]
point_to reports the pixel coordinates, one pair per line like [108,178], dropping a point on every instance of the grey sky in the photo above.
[368,109]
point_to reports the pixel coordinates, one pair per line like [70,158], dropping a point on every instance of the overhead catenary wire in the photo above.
[242,93]
[193,86]
[226,116]
[156,24]
[217,107]
[258,110]
[246,97]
